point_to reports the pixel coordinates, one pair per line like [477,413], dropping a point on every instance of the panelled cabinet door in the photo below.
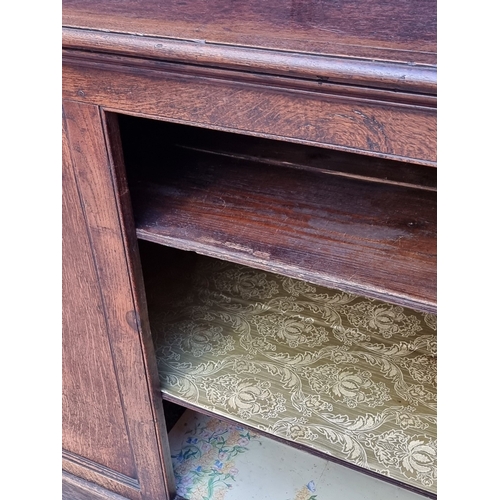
[113,440]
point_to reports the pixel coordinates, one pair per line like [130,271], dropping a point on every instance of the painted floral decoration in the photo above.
[204,467]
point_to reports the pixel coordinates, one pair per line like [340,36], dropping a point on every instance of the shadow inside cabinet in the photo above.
[291,294]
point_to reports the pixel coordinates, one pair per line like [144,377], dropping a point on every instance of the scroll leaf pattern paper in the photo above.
[352,377]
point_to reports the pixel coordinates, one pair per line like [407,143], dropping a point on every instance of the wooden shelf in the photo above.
[291,147]
[352,379]
[324,222]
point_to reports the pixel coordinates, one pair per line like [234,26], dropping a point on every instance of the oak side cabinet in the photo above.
[292,138]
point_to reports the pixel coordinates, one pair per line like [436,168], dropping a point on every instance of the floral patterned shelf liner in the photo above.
[215,460]
[352,377]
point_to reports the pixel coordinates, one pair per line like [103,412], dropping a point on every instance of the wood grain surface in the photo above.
[124,390]
[372,29]
[401,132]
[342,76]
[370,238]
[93,422]
[75,488]
[369,73]
[274,152]
[85,58]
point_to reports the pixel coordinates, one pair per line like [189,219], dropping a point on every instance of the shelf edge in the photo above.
[425,306]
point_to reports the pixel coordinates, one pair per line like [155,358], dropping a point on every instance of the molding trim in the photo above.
[353,71]
[75,488]
[80,461]
[76,57]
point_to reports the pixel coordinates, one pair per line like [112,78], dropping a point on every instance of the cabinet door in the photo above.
[114,442]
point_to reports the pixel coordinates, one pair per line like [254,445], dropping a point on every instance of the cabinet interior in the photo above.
[292,289]
[339,220]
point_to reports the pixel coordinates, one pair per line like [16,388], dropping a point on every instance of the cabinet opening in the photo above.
[366,226]
[348,378]
[291,290]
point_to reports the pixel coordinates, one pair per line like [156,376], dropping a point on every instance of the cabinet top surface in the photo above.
[398,31]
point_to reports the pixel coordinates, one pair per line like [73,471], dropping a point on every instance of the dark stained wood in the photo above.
[340,75]
[126,381]
[287,82]
[279,153]
[74,488]
[373,29]
[93,471]
[401,132]
[373,239]
[369,73]
[114,145]
[93,422]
